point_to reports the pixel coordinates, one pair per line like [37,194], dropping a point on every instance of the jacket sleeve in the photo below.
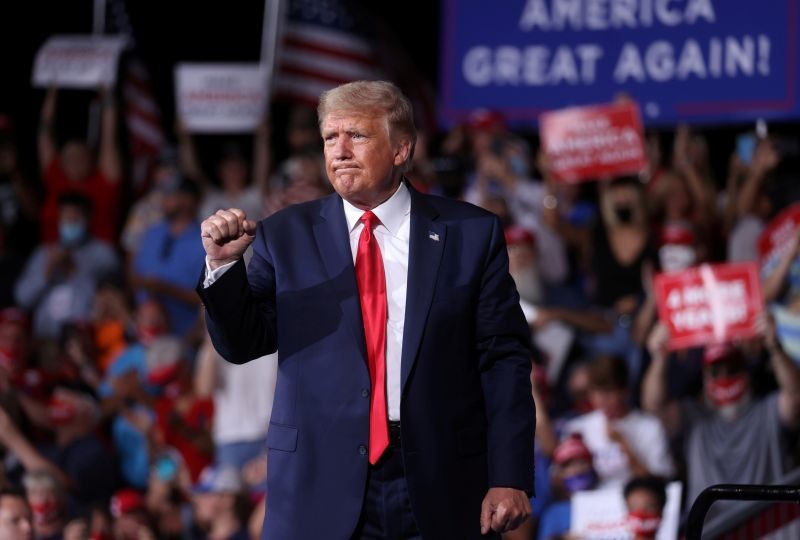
[240,307]
[504,354]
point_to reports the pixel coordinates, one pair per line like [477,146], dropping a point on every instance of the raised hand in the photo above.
[226,235]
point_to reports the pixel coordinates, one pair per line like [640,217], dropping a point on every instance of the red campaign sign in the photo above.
[595,142]
[779,233]
[709,303]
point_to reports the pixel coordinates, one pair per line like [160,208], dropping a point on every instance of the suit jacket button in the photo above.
[364,393]
[362,449]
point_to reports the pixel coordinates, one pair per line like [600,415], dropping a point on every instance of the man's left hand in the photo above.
[504,509]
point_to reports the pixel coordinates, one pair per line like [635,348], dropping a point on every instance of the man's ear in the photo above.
[403,152]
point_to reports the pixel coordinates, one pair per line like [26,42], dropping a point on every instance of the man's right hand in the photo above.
[226,235]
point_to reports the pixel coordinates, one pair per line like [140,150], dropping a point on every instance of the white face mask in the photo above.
[675,257]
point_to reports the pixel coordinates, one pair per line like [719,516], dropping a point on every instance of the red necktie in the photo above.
[372,292]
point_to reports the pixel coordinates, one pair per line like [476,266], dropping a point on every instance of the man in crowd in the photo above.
[15,515]
[733,436]
[165,267]
[383,426]
[624,442]
[60,278]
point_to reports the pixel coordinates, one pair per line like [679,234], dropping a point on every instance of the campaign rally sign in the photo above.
[220,98]
[589,143]
[694,61]
[709,303]
[600,514]
[778,235]
[75,61]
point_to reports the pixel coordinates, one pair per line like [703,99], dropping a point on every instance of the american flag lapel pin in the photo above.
[433,236]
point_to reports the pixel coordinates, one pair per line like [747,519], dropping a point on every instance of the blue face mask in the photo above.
[518,165]
[580,482]
[71,233]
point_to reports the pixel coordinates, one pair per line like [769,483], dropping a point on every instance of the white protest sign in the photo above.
[600,514]
[220,98]
[78,61]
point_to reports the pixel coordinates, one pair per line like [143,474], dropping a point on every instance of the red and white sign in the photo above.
[591,143]
[601,514]
[709,303]
[779,234]
[76,61]
[220,98]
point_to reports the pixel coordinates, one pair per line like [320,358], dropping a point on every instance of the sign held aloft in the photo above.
[78,61]
[220,98]
[594,142]
[709,303]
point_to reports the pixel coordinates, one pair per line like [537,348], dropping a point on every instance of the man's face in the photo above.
[15,519]
[360,158]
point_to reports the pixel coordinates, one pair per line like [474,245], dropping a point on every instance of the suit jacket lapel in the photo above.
[426,245]
[333,242]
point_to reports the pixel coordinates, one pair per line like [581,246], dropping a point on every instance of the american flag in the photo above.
[142,116]
[324,44]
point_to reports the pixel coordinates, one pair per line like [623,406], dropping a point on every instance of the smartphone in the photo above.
[745,147]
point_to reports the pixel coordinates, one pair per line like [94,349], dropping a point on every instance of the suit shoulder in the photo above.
[456,209]
[296,212]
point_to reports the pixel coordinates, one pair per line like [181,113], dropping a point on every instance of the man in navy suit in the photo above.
[403,403]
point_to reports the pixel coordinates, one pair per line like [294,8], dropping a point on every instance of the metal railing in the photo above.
[734,492]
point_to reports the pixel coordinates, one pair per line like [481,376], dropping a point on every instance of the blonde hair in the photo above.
[373,96]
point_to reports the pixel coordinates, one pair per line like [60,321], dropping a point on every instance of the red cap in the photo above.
[125,501]
[677,233]
[571,448]
[516,235]
[718,352]
[486,120]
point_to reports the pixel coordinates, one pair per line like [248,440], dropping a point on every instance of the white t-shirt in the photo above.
[644,434]
[243,399]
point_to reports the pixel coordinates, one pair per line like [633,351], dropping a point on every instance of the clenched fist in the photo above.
[226,235]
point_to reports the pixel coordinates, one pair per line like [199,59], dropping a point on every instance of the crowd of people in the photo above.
[118,419]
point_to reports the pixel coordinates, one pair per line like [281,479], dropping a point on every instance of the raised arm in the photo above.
[765,159]
[109,161]
[262,156]
[46,139]
[787,373]
[187,156]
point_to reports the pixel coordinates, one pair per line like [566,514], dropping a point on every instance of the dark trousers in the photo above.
[386,514]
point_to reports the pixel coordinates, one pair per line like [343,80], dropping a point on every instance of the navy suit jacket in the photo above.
[467,416]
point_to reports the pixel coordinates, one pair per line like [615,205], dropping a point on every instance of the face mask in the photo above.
[164,375]
[518,166]
[60,411]
[71,233]
[580,482]
[146,334]
[675,257]
[727,390]
[644,524]
[46,512]
[624,214]
[10,358]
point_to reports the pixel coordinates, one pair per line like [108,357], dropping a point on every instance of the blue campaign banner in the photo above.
[694,61]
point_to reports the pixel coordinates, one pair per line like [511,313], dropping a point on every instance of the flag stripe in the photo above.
[320,36]
[334,69]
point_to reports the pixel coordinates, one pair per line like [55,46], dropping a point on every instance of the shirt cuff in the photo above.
[214,275]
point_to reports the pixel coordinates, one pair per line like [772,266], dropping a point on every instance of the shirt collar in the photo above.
[390,212]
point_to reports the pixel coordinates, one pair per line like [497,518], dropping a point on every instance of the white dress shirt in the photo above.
[392,234]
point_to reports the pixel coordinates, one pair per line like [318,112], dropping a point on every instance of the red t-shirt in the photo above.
[104,194]
[198,417]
